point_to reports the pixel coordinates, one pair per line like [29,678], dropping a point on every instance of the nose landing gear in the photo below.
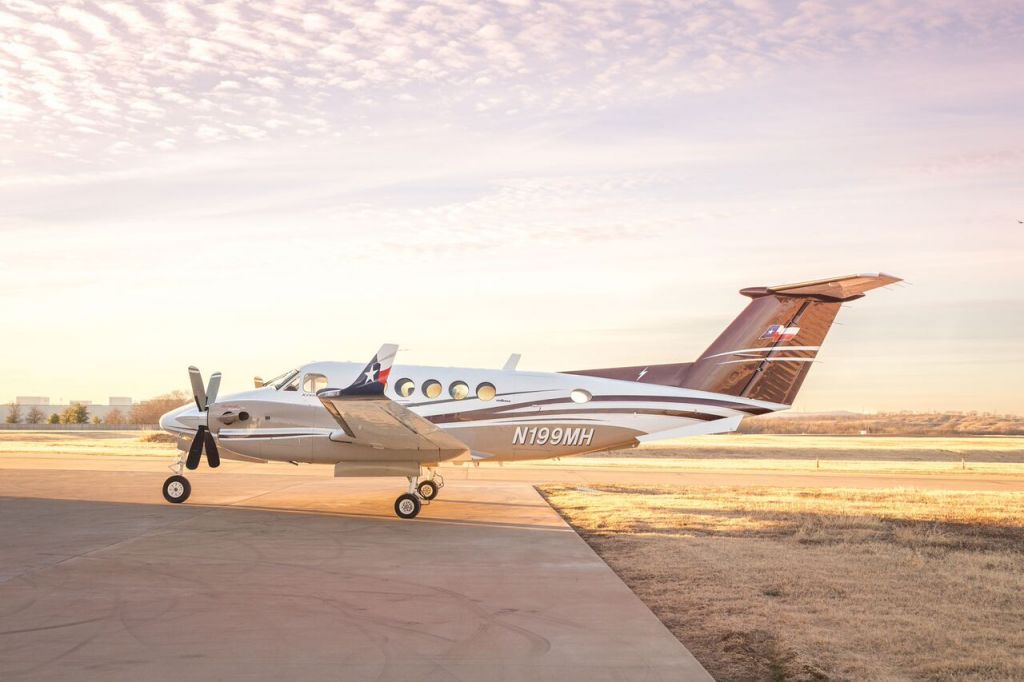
[177,488]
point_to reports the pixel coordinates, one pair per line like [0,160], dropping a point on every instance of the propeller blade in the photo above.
[212,388]
[195,450]
[198,392]
[212,455]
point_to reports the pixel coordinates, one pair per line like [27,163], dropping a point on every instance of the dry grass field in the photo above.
[93,443]
[891,423]
[828,584]
[1003,455]
[835,448]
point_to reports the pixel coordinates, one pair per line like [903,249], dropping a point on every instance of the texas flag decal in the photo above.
[778,333]
[372,380]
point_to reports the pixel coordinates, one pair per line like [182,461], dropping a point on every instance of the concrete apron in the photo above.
[288,577]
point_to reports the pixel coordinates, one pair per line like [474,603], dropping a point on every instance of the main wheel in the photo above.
[177,489]
[428,489]
[407,506]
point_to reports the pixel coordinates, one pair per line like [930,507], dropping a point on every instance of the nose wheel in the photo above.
[177,489]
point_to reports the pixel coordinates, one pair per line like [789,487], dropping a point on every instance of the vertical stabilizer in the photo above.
[766,352]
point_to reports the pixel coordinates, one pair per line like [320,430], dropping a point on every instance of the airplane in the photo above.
[385,419]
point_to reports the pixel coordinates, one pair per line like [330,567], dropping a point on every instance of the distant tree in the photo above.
[96,419]
[75,414]
[35,416]
[13,413]
[115,416]
[150,411]
[54,419]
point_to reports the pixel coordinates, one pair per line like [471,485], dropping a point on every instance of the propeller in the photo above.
[204,397]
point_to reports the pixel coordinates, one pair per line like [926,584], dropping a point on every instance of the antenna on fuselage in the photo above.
[512,362]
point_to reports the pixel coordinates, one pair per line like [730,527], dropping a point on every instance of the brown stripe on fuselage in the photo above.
[474,416]
[508,410]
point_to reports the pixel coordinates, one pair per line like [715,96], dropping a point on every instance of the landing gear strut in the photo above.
[177,488]
[408,505]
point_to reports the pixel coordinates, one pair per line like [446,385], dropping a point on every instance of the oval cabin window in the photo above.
[580,396]
[459,390]
[405,387]
[486,391]
[432,388]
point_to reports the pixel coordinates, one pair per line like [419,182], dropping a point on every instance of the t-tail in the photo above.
[766,352]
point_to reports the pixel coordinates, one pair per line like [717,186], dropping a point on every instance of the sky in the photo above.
[247,186]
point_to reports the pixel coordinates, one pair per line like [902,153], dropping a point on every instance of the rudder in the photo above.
[766,353]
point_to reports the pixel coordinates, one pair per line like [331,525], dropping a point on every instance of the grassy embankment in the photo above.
[799,584]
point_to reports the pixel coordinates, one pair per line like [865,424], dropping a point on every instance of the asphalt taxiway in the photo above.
[288,576]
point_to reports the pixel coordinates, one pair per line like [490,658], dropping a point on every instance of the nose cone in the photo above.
[185,419]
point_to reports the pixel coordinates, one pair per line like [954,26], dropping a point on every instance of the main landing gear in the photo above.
[408,505]
[429,488]
[177,488]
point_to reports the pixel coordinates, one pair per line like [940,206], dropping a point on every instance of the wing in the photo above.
[368,419]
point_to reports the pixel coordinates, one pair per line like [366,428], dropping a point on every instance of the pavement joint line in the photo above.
[212,507]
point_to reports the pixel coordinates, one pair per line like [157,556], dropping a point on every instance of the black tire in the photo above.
[177,489]
[428,489]
[407,506]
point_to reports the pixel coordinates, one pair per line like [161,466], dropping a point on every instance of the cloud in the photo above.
[474,62]
[90,23]
[130,16]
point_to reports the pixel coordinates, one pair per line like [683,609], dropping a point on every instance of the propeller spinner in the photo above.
[204,397]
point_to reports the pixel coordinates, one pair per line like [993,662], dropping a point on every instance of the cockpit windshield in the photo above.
[282,379]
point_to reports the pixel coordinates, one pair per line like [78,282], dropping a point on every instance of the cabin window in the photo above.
[405,387]
[431,388]
[486,391]
[314,382]
[580,396]
[459,390]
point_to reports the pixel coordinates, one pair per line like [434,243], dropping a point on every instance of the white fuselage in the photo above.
[531,415]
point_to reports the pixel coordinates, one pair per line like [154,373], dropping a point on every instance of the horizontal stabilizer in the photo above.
[834,289]
[725,425]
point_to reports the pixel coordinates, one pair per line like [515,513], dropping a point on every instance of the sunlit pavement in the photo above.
[287,576]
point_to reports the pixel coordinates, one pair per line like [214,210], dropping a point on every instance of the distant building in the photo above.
[122,404]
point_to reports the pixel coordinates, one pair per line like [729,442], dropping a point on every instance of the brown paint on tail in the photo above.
[766,353]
